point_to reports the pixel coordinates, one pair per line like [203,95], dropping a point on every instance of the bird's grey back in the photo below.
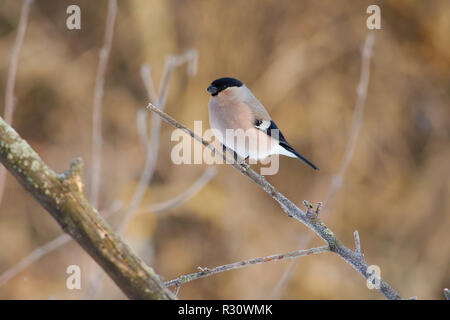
[257,108]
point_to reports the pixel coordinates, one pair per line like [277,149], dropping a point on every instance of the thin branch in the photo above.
[283,281]
[177,290]
[172,61]
[62,196]
[33,257]
[97,138]
[146,76]
[45,249]
[153,143]
[11,80]
[142,130]
[361,96]
[206,272]
[141,116]
[357,243]
[287,273]
[338,178]
[12,70]
[314,223]
[207,175]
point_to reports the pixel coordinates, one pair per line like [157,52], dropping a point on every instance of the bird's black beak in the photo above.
[212,90]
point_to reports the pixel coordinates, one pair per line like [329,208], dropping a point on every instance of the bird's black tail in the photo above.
[298,155]
[283,143]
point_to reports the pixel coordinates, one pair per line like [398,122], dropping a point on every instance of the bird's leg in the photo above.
[235,156]
[244,162]
[224,152]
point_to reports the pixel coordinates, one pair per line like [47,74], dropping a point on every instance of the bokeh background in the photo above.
[302,60]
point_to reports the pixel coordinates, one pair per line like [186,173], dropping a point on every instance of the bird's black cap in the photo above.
[223,83]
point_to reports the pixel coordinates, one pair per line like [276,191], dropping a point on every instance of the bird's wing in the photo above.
[271,129]
[256,107]
[264,123]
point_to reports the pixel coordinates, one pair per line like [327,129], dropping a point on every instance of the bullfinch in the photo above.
[241,123]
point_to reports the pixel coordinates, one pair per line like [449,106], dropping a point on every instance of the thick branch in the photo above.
[354,259]
[62,196]
[61,240]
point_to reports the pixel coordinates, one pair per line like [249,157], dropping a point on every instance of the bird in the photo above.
[233,108]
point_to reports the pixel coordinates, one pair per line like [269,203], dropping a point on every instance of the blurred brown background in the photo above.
[302,60]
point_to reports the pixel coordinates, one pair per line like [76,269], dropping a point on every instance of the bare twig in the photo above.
[287,273]
[141,116]
[357,243]
[146,76]
[186,195]
[338,178]
[62,196]
[34,256]
[11,80]
[284,279]
[177,289]
[206,272]
[45,249]
[318,207]
[172,61]
[153,142]
[291,210]
[361,95]
[12,70]
[97,137]
[141,125]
